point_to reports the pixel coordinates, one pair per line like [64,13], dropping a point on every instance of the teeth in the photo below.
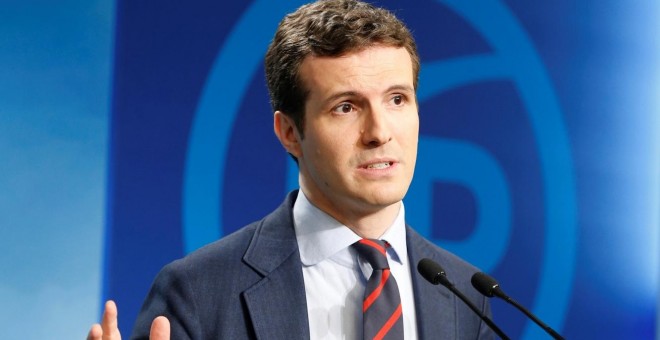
[379,165]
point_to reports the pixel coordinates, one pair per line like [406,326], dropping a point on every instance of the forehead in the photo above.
[369,69]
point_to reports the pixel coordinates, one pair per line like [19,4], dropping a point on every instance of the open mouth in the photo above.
[381,165]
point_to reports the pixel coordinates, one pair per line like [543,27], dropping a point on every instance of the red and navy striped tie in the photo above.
[382,305]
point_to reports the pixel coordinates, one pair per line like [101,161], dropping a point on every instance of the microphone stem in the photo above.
[486,319]
[545,327]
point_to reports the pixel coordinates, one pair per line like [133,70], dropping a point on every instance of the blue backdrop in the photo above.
[538,157]
[55,66]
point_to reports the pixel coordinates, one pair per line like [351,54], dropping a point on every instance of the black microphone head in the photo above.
[485,284]
[432,272]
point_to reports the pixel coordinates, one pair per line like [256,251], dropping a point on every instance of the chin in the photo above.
[384,198]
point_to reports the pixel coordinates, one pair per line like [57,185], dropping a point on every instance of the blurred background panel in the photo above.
[55,72]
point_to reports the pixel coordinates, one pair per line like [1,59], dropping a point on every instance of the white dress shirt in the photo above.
[335,277]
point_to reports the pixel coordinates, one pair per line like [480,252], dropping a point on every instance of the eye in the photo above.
[343,108]
[398,100]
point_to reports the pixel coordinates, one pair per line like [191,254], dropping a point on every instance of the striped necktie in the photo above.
[382,305]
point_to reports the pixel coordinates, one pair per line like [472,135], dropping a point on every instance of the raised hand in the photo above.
[109,330]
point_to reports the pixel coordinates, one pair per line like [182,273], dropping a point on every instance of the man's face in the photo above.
[361,129]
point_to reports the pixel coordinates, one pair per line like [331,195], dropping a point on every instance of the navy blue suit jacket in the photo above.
[250,285]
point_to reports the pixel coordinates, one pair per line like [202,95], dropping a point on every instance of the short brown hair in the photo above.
[327,28]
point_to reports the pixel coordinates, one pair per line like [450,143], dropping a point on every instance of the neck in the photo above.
[371,222]
[374,225]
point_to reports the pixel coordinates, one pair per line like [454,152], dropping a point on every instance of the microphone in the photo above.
[487,286]
[434,273]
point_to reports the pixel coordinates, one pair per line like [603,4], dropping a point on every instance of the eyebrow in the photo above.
[405,88]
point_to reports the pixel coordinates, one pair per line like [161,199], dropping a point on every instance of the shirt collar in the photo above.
[320,236]
[396,237]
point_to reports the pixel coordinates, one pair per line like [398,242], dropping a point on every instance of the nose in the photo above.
[376,129]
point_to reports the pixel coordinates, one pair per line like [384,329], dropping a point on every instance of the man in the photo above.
[342,76]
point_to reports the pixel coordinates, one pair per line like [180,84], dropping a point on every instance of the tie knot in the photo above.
[374,251]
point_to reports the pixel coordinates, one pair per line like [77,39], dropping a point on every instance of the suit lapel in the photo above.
[277,304]
[435,306]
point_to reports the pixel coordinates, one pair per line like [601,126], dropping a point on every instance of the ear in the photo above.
[287,133]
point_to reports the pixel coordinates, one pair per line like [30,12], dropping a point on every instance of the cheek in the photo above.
[334,143]
[414,128]
[322,152]
[334,153]
[408,132]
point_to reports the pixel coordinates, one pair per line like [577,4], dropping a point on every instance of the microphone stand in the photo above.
[489,287]
[434,273]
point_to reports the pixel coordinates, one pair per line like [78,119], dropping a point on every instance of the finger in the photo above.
[160,329]
[109,325]
[95,333]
